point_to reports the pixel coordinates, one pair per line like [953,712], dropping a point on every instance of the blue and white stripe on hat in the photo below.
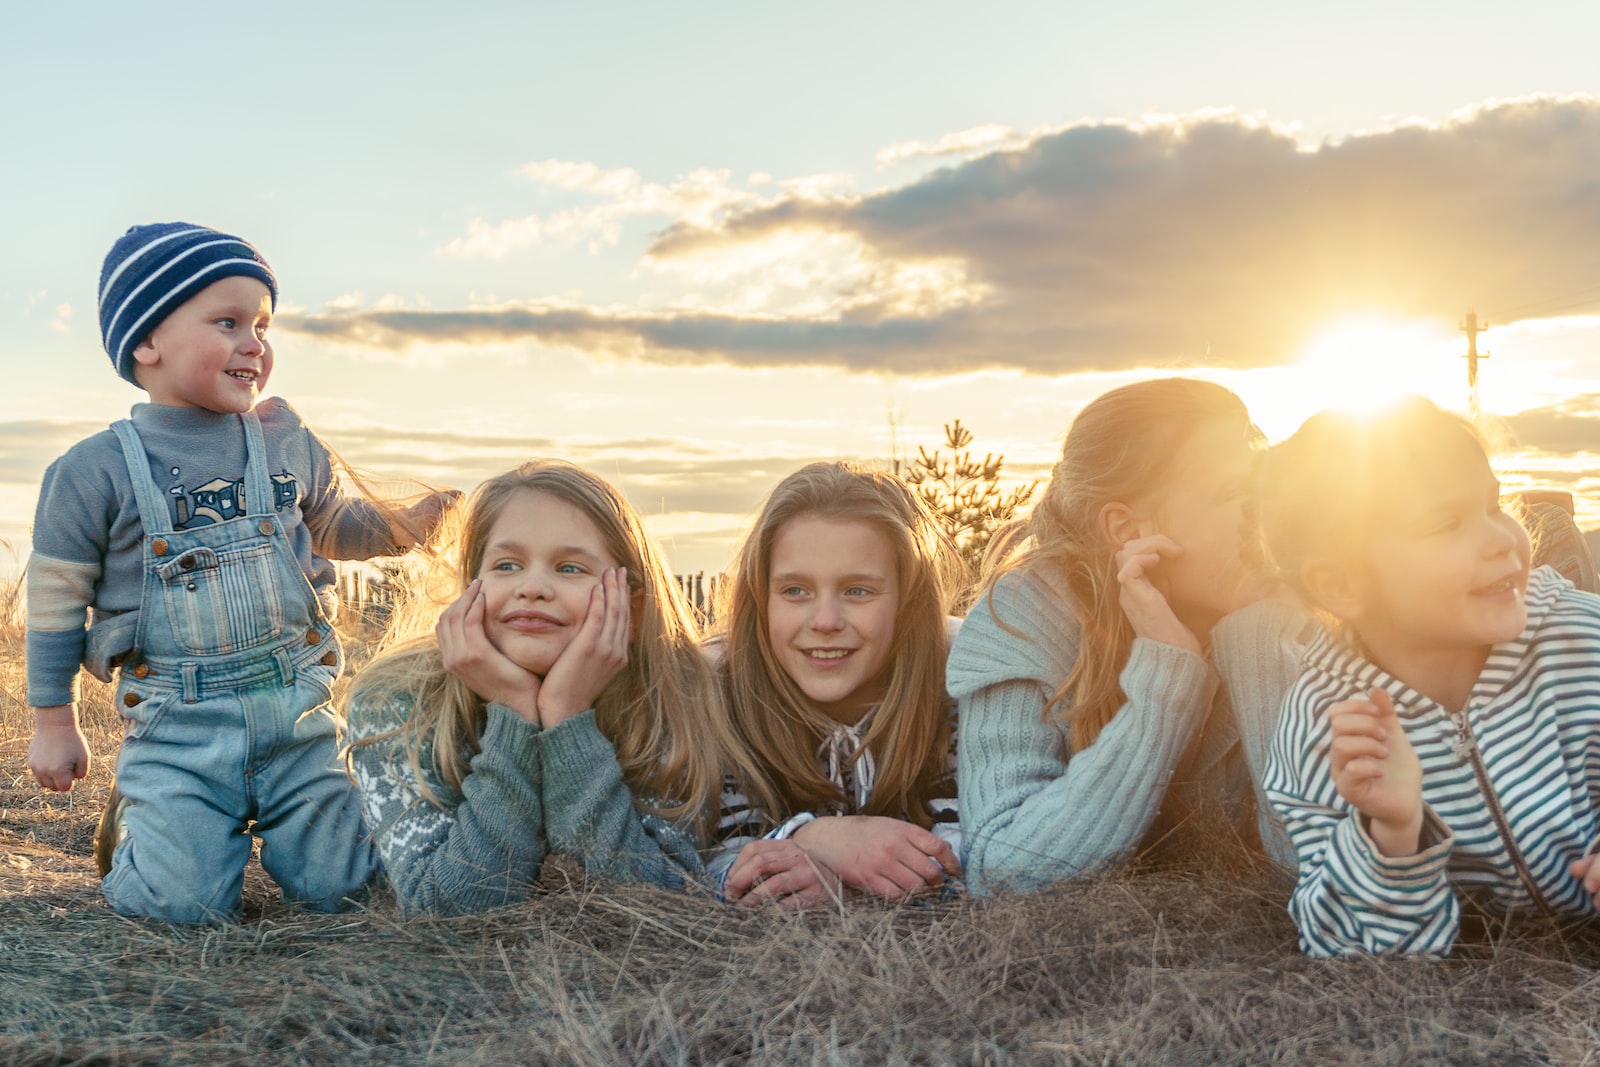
[153,269]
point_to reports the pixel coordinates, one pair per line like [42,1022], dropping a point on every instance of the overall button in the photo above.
[313,638]
[187,563]
[331,659]
[190,587]
[141,670]
[159,546]
[132,699]
[265,526]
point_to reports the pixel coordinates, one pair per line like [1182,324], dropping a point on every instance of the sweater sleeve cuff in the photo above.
[53,660]
[571,750]
[507,732]
[1168,677]
[790,825]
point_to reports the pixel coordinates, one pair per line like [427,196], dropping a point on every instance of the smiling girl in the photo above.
[1089,673]
[833,643]
[561,705]
[1441,743]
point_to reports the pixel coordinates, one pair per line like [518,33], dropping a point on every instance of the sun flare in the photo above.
[1359,364]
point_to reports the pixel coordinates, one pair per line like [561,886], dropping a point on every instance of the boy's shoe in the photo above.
[109,832]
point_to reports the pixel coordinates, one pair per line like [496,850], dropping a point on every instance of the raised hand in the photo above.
[596,654]
[879,855]
[468,655]
[1377,771]
[781,873]
[58,755]
[1143,601]
[415,525]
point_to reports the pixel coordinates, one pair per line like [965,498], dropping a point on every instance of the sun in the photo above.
[1360,364]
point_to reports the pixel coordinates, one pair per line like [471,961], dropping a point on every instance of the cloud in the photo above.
[1211,239]
[961,143]
[699,195]
[1571,426]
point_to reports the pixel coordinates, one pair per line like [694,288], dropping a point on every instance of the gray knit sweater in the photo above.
[1033,812]
[528,793]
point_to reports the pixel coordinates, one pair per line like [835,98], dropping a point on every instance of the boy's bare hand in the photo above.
[422,518]
[58,755]
[1377,771]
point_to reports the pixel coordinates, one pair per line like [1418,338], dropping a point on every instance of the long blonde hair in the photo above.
[664,712]
[909,736]
[1124,443]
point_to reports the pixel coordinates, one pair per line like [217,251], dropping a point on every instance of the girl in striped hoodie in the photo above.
[1443,745]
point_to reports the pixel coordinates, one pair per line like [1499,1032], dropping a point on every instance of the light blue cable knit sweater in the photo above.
[1034,813]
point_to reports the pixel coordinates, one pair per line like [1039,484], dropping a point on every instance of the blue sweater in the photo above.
[86,531]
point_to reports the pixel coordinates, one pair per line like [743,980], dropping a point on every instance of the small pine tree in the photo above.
[964,492]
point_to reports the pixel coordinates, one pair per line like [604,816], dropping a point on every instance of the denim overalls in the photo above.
[228,727]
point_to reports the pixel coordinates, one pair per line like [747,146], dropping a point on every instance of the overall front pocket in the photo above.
[223,601]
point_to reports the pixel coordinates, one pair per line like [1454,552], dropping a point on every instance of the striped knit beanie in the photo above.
[153,269]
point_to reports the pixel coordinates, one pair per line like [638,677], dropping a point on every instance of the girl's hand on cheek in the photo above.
[782,873]
[1377,771]
[597,654]
[879,855]
[1143,600]
[470,656]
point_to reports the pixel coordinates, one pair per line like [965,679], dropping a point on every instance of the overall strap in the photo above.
[258,500]
[153,510]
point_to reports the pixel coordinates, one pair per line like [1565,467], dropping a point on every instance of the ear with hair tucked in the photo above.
[1120,524]
[1335,587]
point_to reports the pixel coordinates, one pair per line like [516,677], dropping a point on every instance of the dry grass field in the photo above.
[1186,961]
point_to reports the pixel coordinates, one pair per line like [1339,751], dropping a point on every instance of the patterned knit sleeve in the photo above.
[1032,814]
[484,847]
[590,813]
[1350,898]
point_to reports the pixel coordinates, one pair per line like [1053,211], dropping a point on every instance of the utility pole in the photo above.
[1472,328]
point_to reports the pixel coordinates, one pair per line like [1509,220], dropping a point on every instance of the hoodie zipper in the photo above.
[1466,747]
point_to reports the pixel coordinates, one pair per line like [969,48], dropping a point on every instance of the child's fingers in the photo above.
[779,886]
[1383,703]
[936,849]
[1347,748]
[614,631]
[896,882]
[1356,718]
[758,864]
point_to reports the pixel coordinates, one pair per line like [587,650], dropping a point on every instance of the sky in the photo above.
[695,246]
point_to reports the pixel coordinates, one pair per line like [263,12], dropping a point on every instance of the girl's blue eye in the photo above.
[568,568]
[858,591]
[225,323]
[504,565]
